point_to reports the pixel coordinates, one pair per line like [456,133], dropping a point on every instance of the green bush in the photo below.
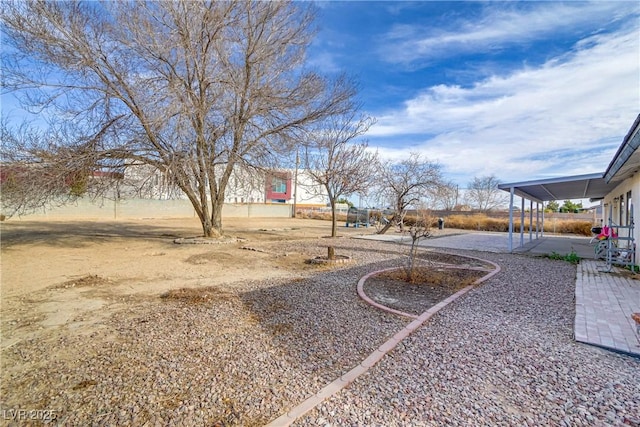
[572,257]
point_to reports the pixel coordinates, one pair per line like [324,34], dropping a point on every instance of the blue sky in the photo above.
[519,90]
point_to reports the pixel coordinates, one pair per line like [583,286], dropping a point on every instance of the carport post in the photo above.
[530,221]
[522,222]
[511,191]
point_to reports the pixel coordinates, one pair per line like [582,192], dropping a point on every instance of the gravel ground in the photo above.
[502,355]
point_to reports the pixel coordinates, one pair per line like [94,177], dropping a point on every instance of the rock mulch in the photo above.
[502,355]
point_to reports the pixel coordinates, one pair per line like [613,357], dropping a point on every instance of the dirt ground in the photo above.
[100,263]
[62,281]
[107,261]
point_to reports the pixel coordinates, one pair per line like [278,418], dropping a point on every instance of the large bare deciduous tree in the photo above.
[484,195]
[407,182]
[193,89]
[338,164]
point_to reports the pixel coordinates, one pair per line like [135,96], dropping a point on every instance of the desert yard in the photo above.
[113,323]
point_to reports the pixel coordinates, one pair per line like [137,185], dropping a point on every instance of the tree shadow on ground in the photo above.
[84,232]
[321,323]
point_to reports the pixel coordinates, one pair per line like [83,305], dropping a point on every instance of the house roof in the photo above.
[624,164]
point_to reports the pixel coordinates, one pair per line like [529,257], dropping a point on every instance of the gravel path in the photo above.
[502,355]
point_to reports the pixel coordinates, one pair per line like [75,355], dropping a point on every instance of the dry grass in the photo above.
[450,278]
[84,281]
[197,295]
[486,223]
[478,222]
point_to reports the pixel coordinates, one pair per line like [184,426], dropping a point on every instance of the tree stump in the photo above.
[331,252]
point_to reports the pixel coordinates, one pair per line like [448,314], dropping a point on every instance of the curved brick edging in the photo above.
[365,297]
[336,385]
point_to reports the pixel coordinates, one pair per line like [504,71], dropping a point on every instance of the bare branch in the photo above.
[197,88]
[407,182]
[337,164]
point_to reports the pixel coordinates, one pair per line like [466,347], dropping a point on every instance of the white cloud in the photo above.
[583,102]
[496,28]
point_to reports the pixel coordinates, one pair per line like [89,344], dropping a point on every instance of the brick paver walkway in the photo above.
[604,305]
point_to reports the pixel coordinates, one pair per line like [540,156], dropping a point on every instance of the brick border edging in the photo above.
[338,384]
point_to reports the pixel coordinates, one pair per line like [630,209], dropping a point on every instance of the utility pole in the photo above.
[295,185]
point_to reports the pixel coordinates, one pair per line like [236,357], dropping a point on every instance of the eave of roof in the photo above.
[626,161]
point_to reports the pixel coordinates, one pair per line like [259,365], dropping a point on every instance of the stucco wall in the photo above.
[148,208]
[611,204]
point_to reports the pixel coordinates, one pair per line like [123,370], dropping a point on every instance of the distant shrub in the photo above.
[481,222]
[324,216]
[478,222]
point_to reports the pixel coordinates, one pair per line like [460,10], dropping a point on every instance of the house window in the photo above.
[629,207]
[278,185]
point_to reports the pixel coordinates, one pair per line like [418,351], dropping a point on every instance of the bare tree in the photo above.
[337,164]
[446,196]
[193,89]
[483,193]
[36,173]
[407,182]
[420,229]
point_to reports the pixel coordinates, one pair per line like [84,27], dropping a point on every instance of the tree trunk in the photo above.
[216,220]
[207,228]
[211,225]
[331,252]
[334,220]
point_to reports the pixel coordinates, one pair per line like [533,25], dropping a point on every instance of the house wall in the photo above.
[617,204]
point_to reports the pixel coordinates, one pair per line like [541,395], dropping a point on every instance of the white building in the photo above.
[245,186]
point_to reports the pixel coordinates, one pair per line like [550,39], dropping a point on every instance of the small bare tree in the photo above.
[339,165]
[483,193]
[407,182]
[420,229]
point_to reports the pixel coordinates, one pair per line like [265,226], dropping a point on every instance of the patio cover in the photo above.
[591,186]
[624,164]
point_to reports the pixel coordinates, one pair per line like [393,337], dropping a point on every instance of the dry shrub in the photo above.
[88,280]
[481,222]
[197,295]
[451,278]
[412,220]
[573,227]
[324,216]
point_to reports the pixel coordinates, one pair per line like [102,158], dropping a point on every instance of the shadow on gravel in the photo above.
[320,323]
